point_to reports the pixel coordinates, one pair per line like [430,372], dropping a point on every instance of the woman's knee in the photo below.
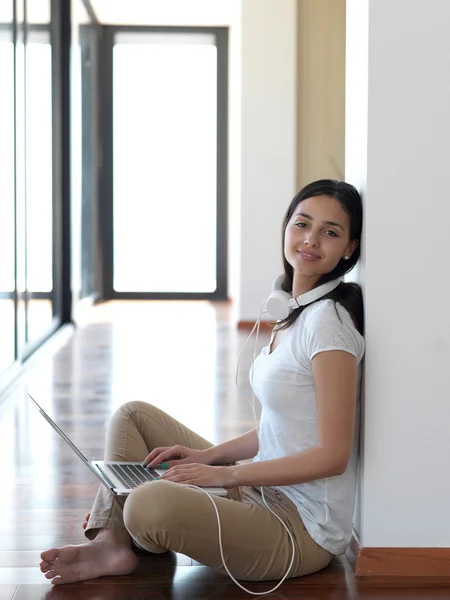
[132,407]
[127,411]
[152,506]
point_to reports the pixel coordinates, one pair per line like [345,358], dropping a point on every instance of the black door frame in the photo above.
[106,178]
[61,272]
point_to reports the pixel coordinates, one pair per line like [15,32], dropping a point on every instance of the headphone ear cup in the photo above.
[278,304]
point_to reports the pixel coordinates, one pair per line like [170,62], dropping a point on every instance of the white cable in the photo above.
[257,324]
[261,313]
[221,548]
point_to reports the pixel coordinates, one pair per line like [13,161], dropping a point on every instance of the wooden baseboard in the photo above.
[266,325]
[372,563]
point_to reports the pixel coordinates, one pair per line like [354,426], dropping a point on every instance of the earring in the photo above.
[346,257]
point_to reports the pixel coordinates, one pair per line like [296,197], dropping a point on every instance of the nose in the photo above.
[310,239]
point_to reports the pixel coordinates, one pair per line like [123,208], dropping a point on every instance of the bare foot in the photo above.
[98,558]
[86,519]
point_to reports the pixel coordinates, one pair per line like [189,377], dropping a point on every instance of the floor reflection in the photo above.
[39,318]
[179,355]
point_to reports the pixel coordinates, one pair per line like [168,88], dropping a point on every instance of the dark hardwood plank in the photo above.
[194,585]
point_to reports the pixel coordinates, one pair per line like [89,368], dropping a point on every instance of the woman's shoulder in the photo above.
[326,312]
[329,315]
[327,322]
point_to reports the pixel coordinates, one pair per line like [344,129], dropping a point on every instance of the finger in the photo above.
[170,473]
[162,463]
[180,469]
[155,452]
[189,481]
[164,456]
[86,519]
[175,463]
[183,471]
[151,455]
[174,478]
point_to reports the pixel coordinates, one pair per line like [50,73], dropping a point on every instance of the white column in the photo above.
[397,153]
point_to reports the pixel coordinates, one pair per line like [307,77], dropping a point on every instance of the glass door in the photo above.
[30,232]
[168,227]
[7,189]
[38,225]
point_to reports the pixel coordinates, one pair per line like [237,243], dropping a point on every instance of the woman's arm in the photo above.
[240,448]
[335,380]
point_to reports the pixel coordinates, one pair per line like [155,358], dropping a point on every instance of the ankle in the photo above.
[111,536]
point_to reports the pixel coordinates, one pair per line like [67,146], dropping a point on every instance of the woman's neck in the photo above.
[302,284]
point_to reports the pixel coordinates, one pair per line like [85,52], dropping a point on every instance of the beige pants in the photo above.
[162,515]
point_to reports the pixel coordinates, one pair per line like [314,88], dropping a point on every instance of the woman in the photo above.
[307,380]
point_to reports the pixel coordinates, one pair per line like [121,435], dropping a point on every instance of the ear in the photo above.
[351,247]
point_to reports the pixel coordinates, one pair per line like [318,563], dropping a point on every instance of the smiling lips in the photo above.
[307,255]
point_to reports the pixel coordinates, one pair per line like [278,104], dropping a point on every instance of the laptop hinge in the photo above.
[113,486]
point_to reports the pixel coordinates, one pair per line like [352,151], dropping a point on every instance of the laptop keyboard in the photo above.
[130,476]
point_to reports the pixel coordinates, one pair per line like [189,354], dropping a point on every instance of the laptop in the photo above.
[119,477]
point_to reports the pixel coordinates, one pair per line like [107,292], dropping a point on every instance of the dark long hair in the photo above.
[347,294]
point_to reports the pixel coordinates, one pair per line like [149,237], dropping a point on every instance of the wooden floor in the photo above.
[179,356]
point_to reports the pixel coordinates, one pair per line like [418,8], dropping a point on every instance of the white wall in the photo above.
[268,143]
[402,171]
[234,155]
[356,102]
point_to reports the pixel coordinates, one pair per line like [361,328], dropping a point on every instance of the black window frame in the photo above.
[106,200]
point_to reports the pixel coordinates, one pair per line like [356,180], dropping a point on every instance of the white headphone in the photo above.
[280,304]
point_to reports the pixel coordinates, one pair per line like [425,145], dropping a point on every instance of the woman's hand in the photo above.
[202,475]
[177,455]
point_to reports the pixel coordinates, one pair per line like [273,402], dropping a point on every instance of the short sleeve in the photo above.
[330,327]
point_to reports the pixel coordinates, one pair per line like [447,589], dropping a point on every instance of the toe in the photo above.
[51,574]
[44,567]
[50,555]
[57,581]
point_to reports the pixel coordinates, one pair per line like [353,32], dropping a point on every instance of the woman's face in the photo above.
[317,236]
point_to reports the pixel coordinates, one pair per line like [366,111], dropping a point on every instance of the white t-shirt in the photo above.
[284,384]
